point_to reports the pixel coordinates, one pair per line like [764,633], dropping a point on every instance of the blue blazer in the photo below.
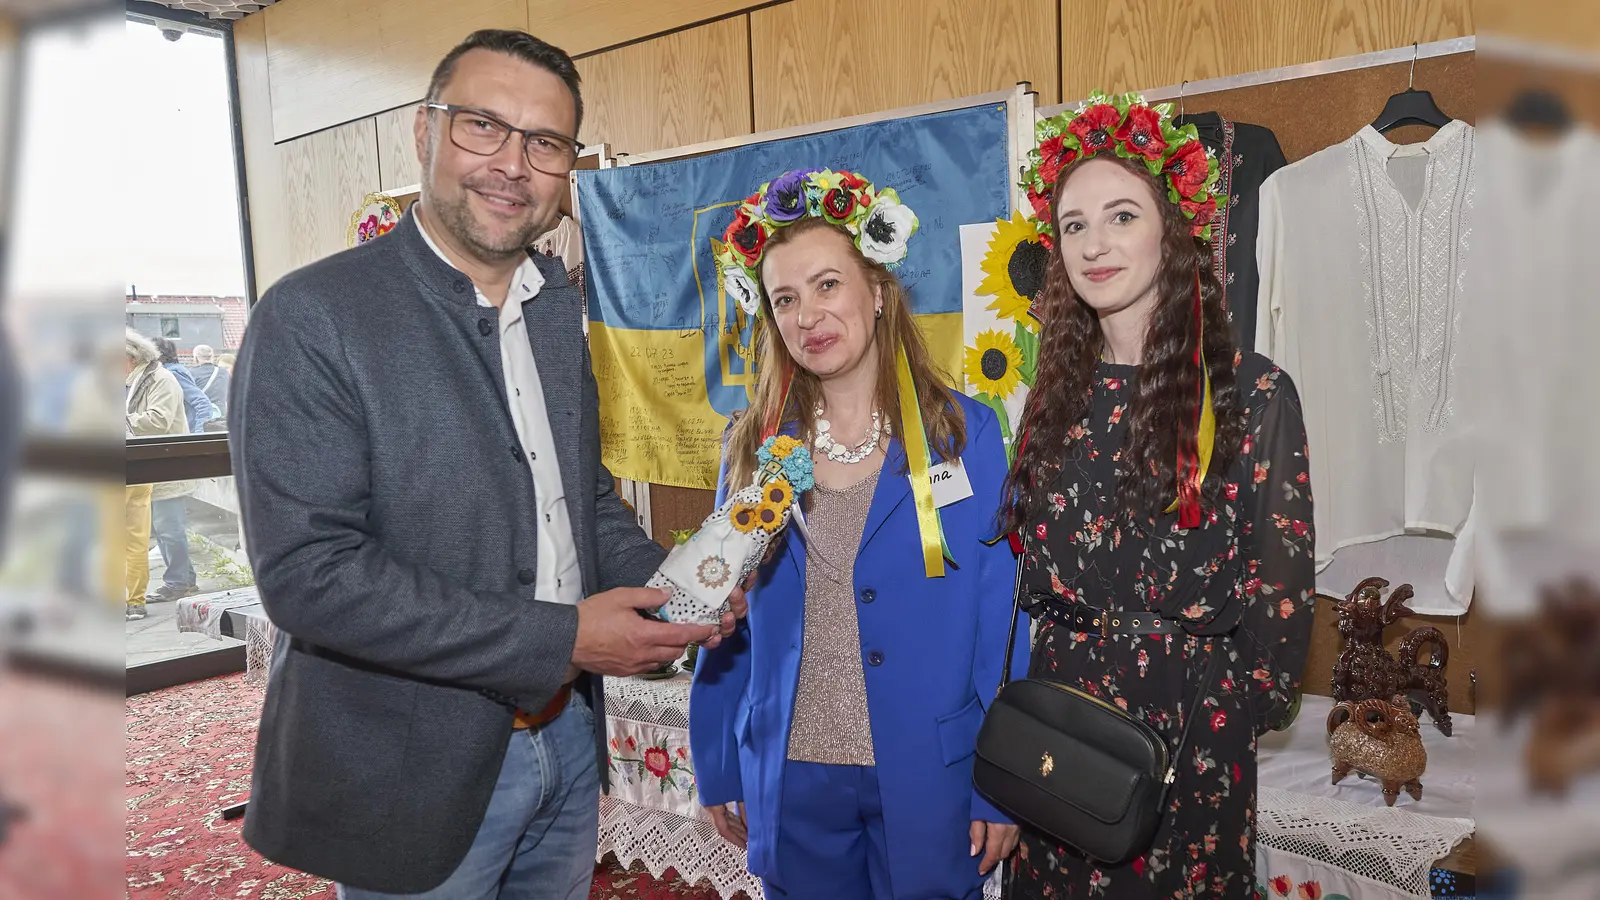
[931,649]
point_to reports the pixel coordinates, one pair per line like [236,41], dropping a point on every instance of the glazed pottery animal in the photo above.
[1366,671]
[1380,738]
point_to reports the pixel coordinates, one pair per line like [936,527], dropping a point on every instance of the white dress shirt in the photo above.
[557,575]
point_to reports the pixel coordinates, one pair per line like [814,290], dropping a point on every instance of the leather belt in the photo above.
[548,714]
[1096,621]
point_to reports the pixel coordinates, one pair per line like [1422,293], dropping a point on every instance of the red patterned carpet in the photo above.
[189,754]
[60,761]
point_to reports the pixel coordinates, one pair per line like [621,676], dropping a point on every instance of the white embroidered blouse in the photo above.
[1362,253]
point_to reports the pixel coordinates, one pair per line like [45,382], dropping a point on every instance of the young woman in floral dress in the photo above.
[1141,502]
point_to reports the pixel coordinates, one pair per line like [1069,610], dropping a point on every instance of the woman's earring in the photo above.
[878,313]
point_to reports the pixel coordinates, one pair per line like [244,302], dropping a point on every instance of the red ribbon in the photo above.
[1188,450]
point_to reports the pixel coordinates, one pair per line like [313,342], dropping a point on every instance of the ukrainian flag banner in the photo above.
[673,352]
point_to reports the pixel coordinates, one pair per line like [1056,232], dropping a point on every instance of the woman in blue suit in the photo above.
[833,733]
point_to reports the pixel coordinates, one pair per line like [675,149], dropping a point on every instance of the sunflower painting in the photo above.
[1004,264]
[1013,270]
[993,366]
[999,371]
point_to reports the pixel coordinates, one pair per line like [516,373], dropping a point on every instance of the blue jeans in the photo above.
[169,525]
[537,840]
[831,843]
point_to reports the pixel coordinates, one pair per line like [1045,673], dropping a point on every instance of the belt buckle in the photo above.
[1088,619]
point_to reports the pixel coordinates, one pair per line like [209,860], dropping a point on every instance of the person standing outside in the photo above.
[169,511]
[212,378]
[154,407]
[415,430]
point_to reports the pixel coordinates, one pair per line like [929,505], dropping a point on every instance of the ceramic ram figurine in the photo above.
[1379,738]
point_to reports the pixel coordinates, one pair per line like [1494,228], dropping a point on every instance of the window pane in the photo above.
[185,279]
[182,565]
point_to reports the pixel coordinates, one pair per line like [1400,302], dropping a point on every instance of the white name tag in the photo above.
[950,483]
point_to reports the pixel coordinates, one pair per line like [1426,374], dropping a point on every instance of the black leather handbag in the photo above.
[1071,765]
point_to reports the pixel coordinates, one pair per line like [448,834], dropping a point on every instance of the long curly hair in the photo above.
[941,415]
[1163,408]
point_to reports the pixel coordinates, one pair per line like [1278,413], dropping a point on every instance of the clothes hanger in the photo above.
[1410,106]
[1539,109]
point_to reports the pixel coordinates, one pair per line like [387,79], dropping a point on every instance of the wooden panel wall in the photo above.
[1568,24]
[675,90]
[325,177]
[814,60]
[397,148]
[270,232]
[1122,45]
[594,25]
[332,61]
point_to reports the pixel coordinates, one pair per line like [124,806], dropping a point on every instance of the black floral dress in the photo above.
[1242,584]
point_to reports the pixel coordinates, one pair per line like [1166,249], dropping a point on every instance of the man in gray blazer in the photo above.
[415,433]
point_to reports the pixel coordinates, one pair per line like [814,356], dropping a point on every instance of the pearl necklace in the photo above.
[827,446]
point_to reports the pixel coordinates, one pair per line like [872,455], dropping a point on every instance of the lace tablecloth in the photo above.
[1343,837]
[203,613]
[653,815]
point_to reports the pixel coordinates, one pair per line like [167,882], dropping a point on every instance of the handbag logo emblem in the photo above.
[1046,764]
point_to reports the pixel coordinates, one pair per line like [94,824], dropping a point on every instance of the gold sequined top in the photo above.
[830,724]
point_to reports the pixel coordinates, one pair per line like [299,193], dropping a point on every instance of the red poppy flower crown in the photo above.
[1130,128]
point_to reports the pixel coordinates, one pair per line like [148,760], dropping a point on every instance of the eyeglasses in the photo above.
[479,133]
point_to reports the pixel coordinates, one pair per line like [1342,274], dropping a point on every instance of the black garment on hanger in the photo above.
[1246,154]
[1410,107]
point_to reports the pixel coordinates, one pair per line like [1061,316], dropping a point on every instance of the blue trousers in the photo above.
[831,843]
[537,840]
[169,525]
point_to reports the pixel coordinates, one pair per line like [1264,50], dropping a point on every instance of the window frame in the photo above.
[180,457]
[145,460]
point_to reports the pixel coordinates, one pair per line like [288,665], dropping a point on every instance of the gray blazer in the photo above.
[390,518]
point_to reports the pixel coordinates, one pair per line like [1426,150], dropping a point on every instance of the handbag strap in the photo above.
[1016,613]
[1194,709]
[1188,721]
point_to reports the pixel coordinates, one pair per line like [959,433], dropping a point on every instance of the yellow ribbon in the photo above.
[915,441]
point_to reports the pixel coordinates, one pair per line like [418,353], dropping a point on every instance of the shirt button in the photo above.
[485,327]
[459,287]
[547,517]
[875,658]
[531,454]
[868,595]
[525,576]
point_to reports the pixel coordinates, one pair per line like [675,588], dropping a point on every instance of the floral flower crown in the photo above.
[1130,128]
[880,223]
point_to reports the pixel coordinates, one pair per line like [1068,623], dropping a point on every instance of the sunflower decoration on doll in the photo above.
[703,569]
